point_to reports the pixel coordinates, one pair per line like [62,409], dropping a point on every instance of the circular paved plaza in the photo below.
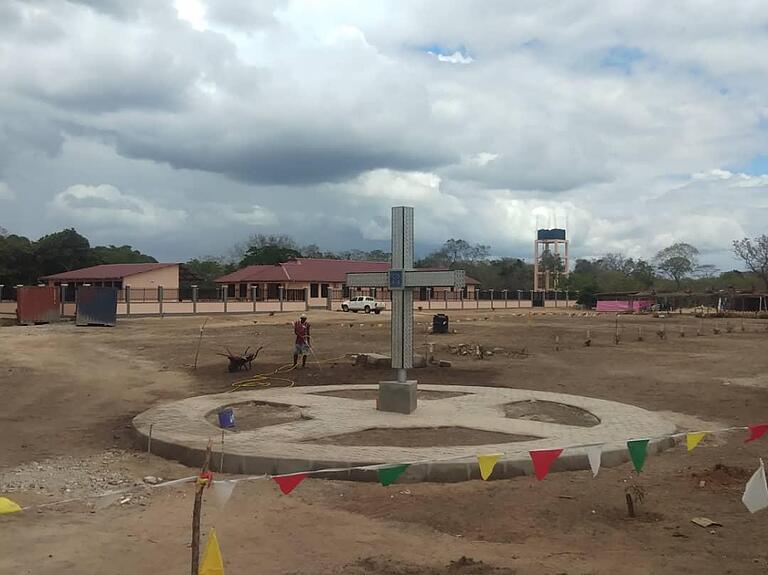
[286,430]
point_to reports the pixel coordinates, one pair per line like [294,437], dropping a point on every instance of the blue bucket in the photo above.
[226,418]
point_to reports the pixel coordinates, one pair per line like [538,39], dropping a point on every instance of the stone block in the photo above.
[397,397]
[444,363]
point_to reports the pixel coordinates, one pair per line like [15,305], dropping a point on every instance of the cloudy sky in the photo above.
[182,127]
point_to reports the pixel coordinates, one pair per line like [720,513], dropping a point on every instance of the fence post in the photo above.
[62,293]
[429,298]
[194,298]
[254,289]
[1,292]
[280,295]
[491,299]
[519,298]
[567,299]
[225,294]
[329,300]
[461,294]
[477,298]
[160,297]
[506,297]
[127,290]
[306,297]
[445,297]
[555,298]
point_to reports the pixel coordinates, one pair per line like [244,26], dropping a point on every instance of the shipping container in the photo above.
[96,306]
[38,304]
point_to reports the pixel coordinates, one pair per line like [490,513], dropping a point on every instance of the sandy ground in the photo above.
[68,395]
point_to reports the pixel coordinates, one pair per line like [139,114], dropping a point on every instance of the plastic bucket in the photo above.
[226,418]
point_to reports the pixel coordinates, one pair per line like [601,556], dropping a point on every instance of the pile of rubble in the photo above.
[480,352]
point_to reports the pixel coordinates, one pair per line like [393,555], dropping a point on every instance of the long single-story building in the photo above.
[318,277]
[141,278]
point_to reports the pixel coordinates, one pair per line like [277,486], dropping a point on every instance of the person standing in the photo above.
[301,346]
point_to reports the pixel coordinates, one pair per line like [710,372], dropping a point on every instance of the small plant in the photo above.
[634,494]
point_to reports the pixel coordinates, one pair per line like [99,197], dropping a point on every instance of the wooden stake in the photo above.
[221,463]
[149,440]
[197,510]
[630,505]
[200,341]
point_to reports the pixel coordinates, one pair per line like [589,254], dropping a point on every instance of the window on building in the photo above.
[313,288]
[324,290]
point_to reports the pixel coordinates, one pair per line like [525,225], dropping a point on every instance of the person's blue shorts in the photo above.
[300,349]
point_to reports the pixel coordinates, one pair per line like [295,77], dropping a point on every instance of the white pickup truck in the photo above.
[364,303]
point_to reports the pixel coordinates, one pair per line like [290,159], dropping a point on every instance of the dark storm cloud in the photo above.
[302,159]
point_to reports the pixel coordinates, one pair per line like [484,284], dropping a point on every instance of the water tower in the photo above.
[549,241]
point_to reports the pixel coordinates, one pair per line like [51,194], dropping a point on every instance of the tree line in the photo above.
[675,268]
[25,261]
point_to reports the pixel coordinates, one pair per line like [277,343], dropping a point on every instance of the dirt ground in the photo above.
[69,393]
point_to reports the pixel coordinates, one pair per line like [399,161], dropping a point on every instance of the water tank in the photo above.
[552,234]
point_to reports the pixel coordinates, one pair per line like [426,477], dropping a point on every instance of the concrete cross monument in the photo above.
[401,279]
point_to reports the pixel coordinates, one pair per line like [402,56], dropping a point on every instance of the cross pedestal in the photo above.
[400,395]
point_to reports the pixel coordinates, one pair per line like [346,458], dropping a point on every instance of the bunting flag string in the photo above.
[8,506]
[756,431]
[638,451]
[212,563]
[288,483]
[388,475]
[222,490]
[542,460]
[755,495]
[693,439]
[487,463]
[595,456]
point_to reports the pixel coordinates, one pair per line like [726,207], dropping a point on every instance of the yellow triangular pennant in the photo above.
[487,463]
[8,506]
[212,563]
[693,439]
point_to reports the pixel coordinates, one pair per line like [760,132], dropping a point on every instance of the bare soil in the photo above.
[253,415]
[422,437]
[69,393]
[550,412]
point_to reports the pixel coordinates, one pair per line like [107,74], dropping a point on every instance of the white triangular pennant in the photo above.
[220,492]
[594,454]
[756,492]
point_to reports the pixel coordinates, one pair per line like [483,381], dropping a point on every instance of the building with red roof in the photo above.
[316,276]
[137,276]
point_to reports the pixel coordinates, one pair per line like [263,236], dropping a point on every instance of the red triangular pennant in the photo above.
[288,483]
[756,431]
[542,459]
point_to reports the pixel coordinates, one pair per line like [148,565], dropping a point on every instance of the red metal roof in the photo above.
[307,270]
[106,272]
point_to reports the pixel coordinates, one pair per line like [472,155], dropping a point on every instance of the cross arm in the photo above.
[368,279]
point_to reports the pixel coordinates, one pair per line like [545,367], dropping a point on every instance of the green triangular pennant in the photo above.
[638,451]
[389,475]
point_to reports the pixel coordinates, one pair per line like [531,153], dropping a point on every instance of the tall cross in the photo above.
[401,279]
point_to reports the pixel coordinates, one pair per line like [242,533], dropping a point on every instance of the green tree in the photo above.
[17,263]
[119,255]
[455,253]
[206,269]
[268,255]
[754,254]
[677,261]
[62,251]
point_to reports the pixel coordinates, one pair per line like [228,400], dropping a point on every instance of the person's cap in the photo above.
[303,316]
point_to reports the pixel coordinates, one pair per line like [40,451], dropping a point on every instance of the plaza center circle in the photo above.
[345,432]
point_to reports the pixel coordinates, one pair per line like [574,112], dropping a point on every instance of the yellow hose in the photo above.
[266,379]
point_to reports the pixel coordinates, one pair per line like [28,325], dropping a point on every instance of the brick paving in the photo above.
[180,431]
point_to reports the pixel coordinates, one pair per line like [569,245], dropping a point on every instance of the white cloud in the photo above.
[6,193]
[251,215]
[104,207]
[455,58]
